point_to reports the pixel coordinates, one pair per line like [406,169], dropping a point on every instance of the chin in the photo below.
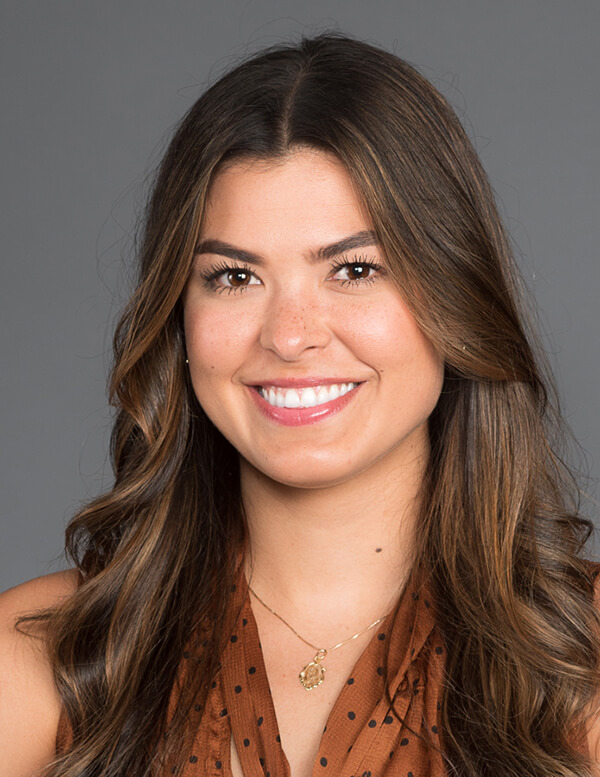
[311,475]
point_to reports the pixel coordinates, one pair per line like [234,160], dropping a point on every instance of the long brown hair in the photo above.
[499,536]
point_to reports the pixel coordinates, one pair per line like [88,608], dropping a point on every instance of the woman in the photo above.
[339,539]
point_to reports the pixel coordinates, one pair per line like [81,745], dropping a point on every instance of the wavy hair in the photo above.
[500,531]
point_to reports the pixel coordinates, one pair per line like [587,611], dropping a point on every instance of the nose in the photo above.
[293,325]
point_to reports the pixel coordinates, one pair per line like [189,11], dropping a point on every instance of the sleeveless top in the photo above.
[372,731]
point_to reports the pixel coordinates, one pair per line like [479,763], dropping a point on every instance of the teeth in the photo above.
[292,398]
[322,395]
[304,397]
[309,397]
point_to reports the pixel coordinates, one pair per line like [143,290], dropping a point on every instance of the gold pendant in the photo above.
[313,674]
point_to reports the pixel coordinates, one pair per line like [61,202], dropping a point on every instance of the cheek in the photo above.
[388,338]
[388,331]
[215,340]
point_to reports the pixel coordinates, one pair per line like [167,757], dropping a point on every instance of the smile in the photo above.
[309,396]
[300,405]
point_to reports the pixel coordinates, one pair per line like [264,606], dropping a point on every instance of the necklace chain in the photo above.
[313,673]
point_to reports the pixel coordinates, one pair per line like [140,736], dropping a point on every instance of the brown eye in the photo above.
[237,278]
[358,271]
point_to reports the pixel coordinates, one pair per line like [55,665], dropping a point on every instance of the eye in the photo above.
[355,273]
[237,278]
[223,277]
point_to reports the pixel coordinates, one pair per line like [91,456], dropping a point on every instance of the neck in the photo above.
[349,547]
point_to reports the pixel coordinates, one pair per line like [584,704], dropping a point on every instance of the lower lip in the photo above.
[301,416]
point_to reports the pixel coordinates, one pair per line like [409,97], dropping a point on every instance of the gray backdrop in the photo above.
[89,94]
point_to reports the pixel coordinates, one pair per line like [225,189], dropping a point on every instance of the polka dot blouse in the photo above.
[365,736]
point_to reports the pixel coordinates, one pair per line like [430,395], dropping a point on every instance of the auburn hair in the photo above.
[501,534]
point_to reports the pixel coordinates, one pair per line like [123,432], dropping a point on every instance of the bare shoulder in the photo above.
[29,703]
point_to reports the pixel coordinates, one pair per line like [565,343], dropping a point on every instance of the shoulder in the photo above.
[29,702]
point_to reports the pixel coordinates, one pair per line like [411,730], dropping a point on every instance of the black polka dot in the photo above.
[380,670]
[197,708]
[213,685]
[351,681]
[238,689]
[218,764]
[388,719]
[325,729]
[351,715]
[233,637]
[438,706]
[372,723]
[244,621]
[323,761]
[260,721]
[350,748]
[366,774]
[434,729]
[427,604]
[278,738]
[392,754]
[261,761]
[252,670]
[246,742]
[439,650]
[223,712]
[193,759]
[381,636]
[415,596]
[404,742]
[410,774]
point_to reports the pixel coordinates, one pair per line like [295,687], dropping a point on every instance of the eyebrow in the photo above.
[361,239]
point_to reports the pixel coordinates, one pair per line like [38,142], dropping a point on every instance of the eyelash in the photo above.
[362,260]
[211,275]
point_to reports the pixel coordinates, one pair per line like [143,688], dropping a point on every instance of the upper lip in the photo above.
[301,382]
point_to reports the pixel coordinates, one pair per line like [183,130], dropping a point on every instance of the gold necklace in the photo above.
[313,673]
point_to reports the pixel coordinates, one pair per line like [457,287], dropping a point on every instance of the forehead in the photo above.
[305,194]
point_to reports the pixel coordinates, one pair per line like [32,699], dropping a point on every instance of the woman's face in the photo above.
[301,350]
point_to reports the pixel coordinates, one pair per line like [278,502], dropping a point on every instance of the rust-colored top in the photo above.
[366,734]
